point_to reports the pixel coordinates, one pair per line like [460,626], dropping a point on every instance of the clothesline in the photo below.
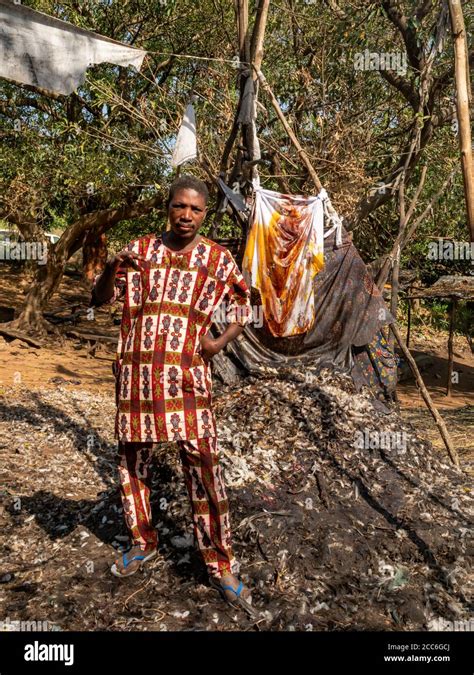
[234,61]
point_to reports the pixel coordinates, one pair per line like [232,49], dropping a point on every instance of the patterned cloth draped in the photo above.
[375,366]
[163,385]
[284,252]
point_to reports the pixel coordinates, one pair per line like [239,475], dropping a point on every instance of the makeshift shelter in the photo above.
[350,313]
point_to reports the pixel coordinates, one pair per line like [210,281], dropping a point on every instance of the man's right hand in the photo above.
[104,288]
[125,258]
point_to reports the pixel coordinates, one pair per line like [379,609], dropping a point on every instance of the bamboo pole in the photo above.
[426,396]
[462,104]
[452,317]
[242,9]
[409,324]
[258,35]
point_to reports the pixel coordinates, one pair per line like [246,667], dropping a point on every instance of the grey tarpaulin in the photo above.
[40,50]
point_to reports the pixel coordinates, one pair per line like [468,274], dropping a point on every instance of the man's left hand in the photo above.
[209,347]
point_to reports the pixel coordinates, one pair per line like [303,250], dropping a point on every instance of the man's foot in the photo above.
[234,593]
[234,583]
[130,562]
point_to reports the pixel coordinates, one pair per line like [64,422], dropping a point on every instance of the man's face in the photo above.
[186,212]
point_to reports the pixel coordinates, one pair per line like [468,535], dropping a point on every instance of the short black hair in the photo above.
[188,183]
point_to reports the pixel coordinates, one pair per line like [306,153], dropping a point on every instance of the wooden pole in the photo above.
[242,7]
[452,316]
[256,57]
[256,47]
[461,62]
[409,322]
[301,153]
[426,396]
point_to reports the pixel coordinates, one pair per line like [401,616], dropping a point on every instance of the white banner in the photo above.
[40,50]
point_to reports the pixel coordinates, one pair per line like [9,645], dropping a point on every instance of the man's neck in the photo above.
[173,242]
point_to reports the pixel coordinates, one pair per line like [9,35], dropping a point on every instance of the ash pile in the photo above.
[344,517]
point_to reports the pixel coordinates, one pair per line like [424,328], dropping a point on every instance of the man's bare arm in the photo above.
[104,288]
[212,346]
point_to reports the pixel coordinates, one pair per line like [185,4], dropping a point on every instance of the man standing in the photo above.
[171,285]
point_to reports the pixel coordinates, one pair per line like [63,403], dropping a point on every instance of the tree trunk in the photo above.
[49,275]
[94,255]
[48,278]
[462,103]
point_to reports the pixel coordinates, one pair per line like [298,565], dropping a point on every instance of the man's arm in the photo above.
[105,285]
[238,313]
[212,346]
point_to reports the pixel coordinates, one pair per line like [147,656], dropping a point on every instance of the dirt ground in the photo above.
[382,548]
[67,360]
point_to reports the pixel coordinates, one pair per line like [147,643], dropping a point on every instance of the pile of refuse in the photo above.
[343,517]
[346,517]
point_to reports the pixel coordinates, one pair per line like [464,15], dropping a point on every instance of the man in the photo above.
[171,285]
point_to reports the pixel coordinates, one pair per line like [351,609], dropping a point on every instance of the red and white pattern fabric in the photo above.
[206,489]
[163,386]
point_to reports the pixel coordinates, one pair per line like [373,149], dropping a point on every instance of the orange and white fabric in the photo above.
[284,252]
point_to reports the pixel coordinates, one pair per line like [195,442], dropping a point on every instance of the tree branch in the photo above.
[406,30]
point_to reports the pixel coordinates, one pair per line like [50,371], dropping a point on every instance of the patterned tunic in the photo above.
[163,386]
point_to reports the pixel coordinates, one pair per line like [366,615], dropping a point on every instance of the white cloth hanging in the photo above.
[46,52]
[186,145]
[332,218]
[283,254]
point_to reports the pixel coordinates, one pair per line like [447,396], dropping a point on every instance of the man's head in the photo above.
[187,206]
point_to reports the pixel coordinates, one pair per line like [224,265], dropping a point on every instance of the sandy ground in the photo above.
[312,569]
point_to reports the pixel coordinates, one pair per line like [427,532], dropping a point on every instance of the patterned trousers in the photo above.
[206,489]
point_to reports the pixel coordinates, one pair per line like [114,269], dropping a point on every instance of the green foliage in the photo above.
[110,144]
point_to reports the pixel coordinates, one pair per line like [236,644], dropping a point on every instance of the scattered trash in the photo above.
[6,578]
[183,542]
[180,615]
[400,579]
[329,533]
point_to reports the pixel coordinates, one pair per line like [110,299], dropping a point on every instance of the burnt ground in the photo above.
[330,536]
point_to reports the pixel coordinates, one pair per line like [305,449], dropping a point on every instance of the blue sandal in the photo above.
[239,602]
[143,558]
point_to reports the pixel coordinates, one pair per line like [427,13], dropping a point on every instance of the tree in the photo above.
[92,162]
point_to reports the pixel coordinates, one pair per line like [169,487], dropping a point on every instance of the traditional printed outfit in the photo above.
[164,387]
